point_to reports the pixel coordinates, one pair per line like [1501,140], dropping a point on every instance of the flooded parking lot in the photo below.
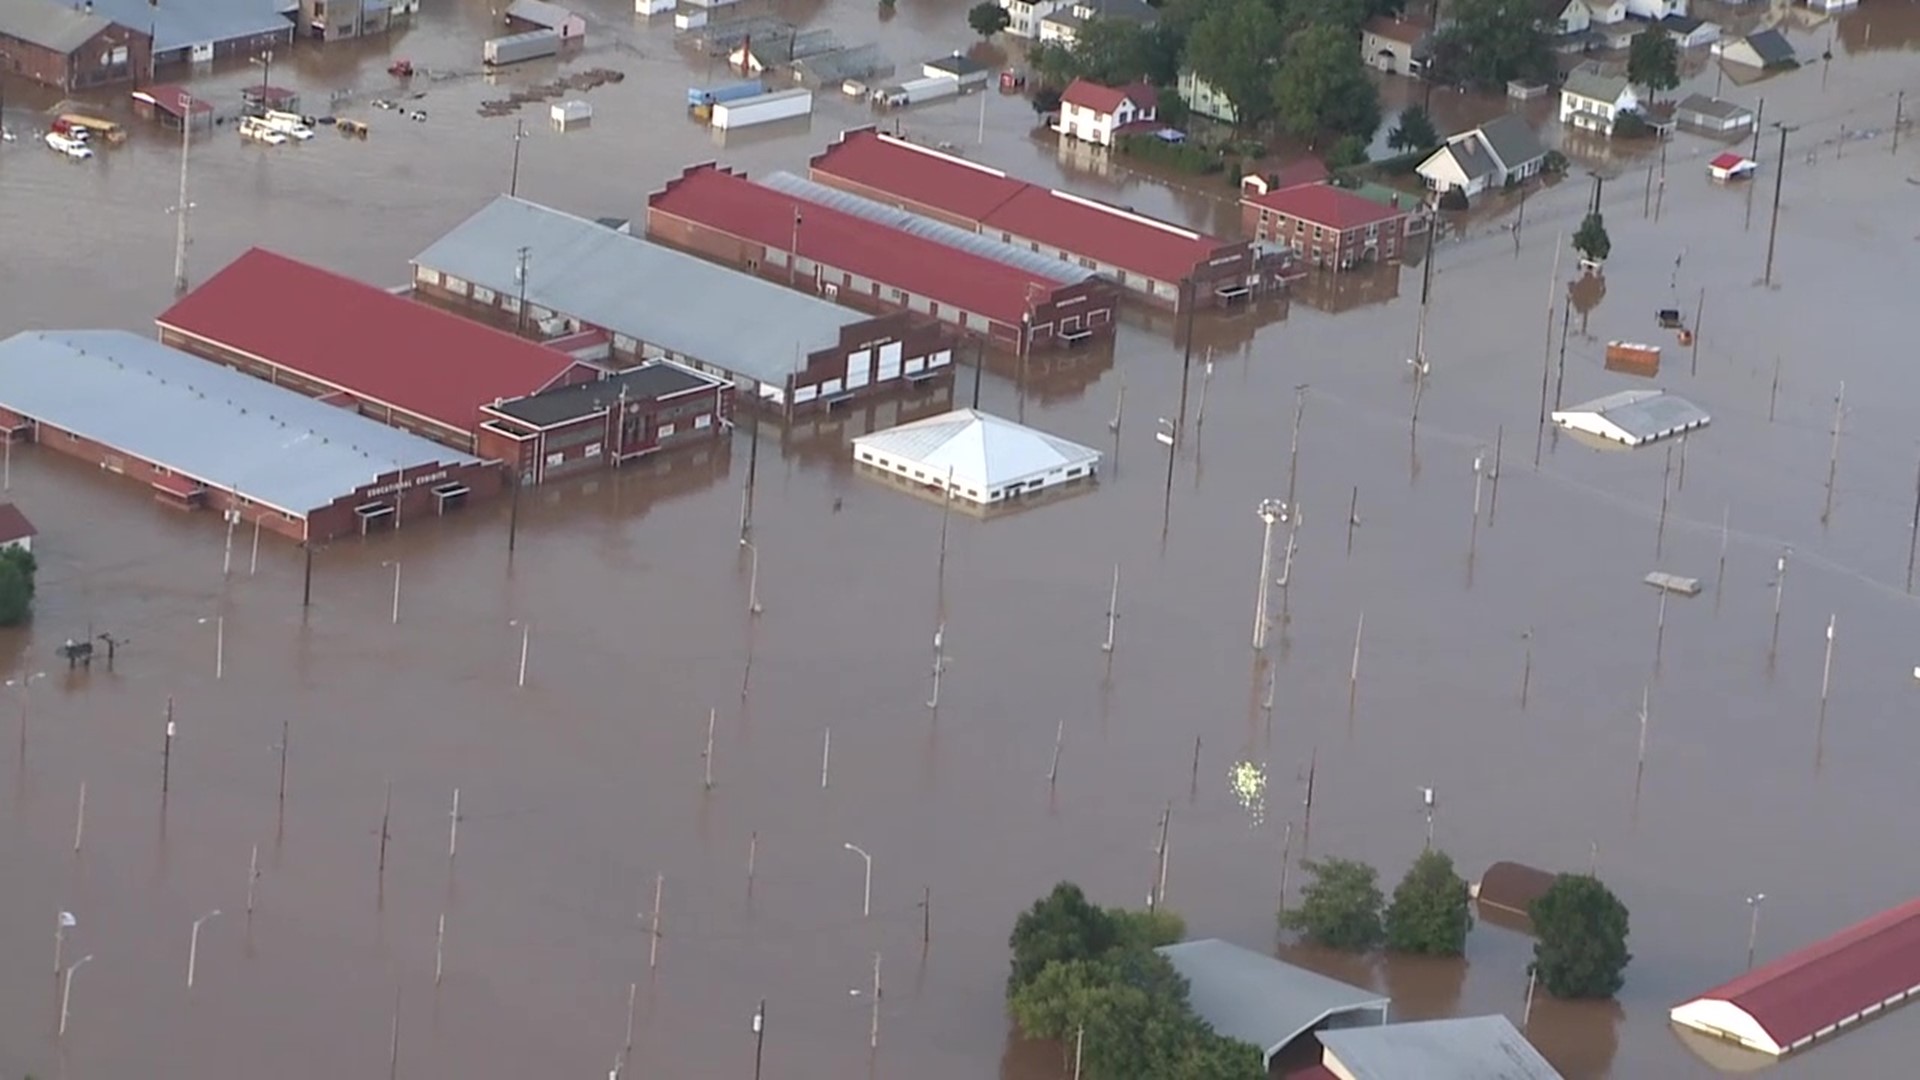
[586,788]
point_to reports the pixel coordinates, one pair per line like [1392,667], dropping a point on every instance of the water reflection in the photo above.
[1579,1037]
[1424,987]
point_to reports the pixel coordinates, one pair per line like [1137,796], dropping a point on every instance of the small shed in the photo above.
[541,15]
[16,532]
[963,69]
[1511,888]
[568,115]
[1633,417]
[172,105]
[1712,115]
[1731,166]
[261,98]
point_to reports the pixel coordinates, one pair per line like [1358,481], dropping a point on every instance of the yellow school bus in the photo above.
[101,129]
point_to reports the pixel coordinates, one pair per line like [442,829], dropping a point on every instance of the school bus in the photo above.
[103,129]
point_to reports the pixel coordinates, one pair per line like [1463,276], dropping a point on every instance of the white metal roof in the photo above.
[1465,1048]
[1256,998]
[982,450]
[1634,417]
[202,420]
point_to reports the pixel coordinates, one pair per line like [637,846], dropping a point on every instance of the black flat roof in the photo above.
[649,382]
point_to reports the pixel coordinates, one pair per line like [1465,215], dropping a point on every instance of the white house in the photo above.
[1203,100]
[1655,10]
[1026,16]
[1093,113]
[1604,12]
[16,532]
[1689,32]
[1063,23]
[975,456]
[1495,154]
[1592,99]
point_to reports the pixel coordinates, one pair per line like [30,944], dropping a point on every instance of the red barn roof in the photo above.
[1327,205]
[363,339]
[14,524]
[730,203]
[1806,992]
[998,203]
[1104,99]
[173,100]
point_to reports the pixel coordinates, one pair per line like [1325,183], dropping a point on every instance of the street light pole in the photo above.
[1779,177]
[219,643]
[193,946]
[66,991]
[395,563]
[866,895]
[526,634]
[753,577]
[1753,925]
[25,682]
[1269,512]
[759,1036]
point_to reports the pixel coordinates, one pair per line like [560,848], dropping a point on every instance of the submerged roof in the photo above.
[651,381]
[202,22]
[983,451]
[730,203]
[1714,107]
[58,27]
[1513,887]
[363,340]
[1634,416]
[1512,140]
[1466,1048]
[1256,998]
[1771,46]
[14,524]
[1808,992]
[1329,205]
[640,289]
[551,16]
[1590,80]
[203,420]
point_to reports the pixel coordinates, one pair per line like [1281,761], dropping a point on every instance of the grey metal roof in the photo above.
[1472,157]
[982,451]
[61,28]
[1772,47]
[1467,1048]
[649,382]
[539,12]
[1640,416]
[177,25]
[1589,80]
[1255,998]
[631,286]
[956,64]
[952,236]
[1714,107]
[1512,140]
[204,421]
[1076,15]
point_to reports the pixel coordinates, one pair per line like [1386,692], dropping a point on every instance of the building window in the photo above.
[555,459]
[593,450]
[666,431]
[483,294]
[702,421]
[1318,232]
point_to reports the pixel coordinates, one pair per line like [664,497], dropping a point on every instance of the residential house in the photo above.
[1712,116]
[1565,18]
[1396,44]
[1593,98]
[1765,49]
[1655,10]
[1025,16]
[1063,24]
[523,15]
[1689,32]
[1497,153]
[59,45]
[1203,100]
[1094,113]
[1325,225]
[344,20]
[1831,6]
[1604,12]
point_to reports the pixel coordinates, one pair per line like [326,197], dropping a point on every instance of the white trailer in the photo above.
[514,48]
[916,91]
[762,109]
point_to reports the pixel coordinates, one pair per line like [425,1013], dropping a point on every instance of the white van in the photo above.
[68,145]
[292,125]
[252,127]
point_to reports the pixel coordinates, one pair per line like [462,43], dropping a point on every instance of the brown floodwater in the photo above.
[583,788]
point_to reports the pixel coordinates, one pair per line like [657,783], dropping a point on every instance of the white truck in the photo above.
[292,125]
[916,91]
[762,109]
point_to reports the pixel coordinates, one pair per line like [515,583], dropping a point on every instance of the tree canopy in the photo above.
[1414,131]
[1591,238]
[1653,61]
[988,18]
[1429,909]
[16,586]
[1580,929]
[1232,46]
[1339,907]
[1061,926]
[1109,51]
[1322,85]
[1493,41]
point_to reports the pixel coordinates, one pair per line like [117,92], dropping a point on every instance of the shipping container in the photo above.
[515,48]
[763,109]
[917,91]
[1632,358]
[714,95]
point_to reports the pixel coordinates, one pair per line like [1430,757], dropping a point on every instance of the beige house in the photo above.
[1396,44]
[1203,100]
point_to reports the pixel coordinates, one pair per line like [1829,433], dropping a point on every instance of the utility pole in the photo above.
[1779,176]
[1899,108]
[1270,511]
[182,209]
[1546,362]
[1913,535]
[1833,456]
[520,278]
[1186,361]
[1158,894]
[513,183]
[753,472]
[1293,449]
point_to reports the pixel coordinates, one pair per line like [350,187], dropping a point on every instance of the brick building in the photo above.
[1326,226]
[68,47]
[632,414]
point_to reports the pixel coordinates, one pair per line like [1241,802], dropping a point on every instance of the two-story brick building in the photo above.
[1326,226]
[69,47]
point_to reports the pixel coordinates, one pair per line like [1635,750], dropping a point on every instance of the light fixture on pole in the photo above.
[395,563]
[25,682]
[66,923]
[526,635]
[1270,511]
[866,894]
[1753,925]
[66,991]
[193,945]
[753,576]
[219,643]
[759,1036]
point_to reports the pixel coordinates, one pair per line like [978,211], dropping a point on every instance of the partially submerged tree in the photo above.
[1429,910]
[1060,926]
[1493,41]
[1339,907]
[1580,928]
[988,18]
[1653,61]
[1322,86]
[16,586]
[1232,47]
[1591,239]
[1414,131]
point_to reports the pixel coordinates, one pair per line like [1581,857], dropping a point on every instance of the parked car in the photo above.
[68,145]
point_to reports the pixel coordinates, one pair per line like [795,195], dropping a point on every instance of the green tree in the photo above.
[1134,1035]
[1339,907]
[1145,930]
[1173,110]
[1045,100]
[1322,86]
[1060,926]
[1216,1057]
[1591,239]
[1429,909]
[1414,131]
[1653,61]
[1054,1002]
[1053,64]
[1492,41]
[988,18]
[16,586]
[1115,52]
[1349,15]
[1580,929]
[1232,47]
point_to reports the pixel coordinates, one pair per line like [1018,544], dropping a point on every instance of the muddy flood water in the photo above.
[583,789]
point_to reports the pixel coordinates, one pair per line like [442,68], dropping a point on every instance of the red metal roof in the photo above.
[172,99]
[881,162]
[363,339]
[1812,989]
[1728,160]
[14,524]
[1106,99]
[999,203]
[732,204]
[1314,1072]
[1327,205]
